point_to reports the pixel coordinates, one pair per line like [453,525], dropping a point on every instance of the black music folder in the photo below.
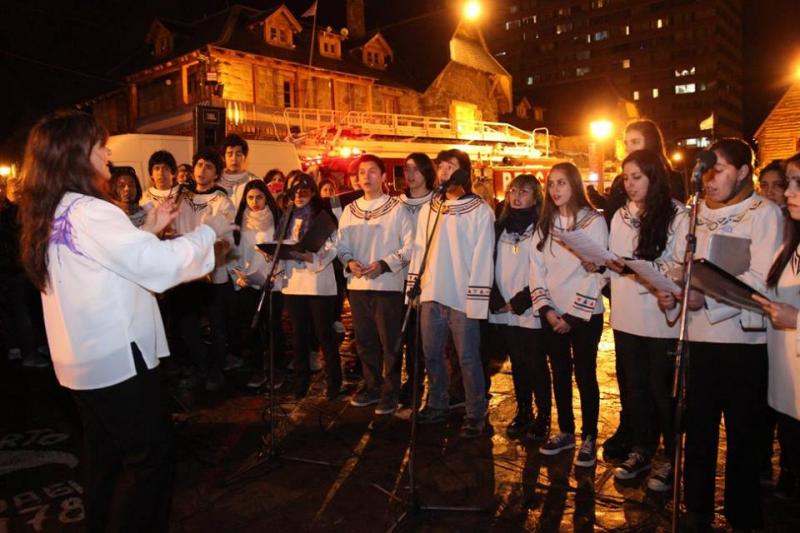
[723,286]
[320,228]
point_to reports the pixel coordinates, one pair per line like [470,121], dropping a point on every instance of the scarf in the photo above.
[743,194]
[518,220]
[299,221]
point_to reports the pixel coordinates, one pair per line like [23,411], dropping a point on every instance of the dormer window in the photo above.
[376,52]
[163,45]
[280,27]
[330,44]
[160,38]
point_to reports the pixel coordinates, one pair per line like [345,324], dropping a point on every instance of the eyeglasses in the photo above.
[519,192]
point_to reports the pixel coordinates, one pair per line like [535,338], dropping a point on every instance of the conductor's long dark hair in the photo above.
[57,161]
[791,236]
[658,207]
[272,205]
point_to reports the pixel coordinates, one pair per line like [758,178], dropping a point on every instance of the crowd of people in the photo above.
[112,260]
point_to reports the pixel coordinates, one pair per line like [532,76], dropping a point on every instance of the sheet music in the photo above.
[651,276]
[585,247]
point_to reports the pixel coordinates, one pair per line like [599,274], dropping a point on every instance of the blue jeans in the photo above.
[437,320]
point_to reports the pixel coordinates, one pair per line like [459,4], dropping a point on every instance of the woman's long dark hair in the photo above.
[116,175]
[658,208]
[425,167]
[57,161]
[578,201]
[791,236]
[272,205]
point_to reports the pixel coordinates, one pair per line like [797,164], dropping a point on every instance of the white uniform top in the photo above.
[634,307]
[376,230]
[234,185]
[153,197]
[557,278]
[784,346]
[459,270]
[512,274]
[414,206]
[257,227]
[102,273]
[195,208]
[759,220]
[315,278]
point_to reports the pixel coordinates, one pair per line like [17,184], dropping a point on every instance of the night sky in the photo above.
[58,53]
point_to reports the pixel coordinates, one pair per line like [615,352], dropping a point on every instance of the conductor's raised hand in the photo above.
[160,217]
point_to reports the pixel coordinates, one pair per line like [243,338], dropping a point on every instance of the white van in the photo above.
[135,149]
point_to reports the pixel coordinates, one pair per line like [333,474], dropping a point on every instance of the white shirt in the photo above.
[512,274]
[314,278]
[460,267]
[557,278]
[99,298]
[257,227]
[783,393]
[153,197]
[376,230]
[634,307]
[195,209]
[759,220]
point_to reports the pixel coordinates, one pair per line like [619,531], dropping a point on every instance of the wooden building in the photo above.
[276,76]
[778,136]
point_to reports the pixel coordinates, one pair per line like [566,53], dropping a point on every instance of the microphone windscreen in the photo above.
[707,159]
[460,177]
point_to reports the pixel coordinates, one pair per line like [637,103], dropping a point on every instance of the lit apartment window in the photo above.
[655,93]
[601,35]
[660,23]
[582,71]
[626,63]
[588,37]
[597,4]
[636,95]
[679,73]
[627,30]
[686,88]
[530,80]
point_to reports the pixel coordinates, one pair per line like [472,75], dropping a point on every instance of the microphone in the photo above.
[458,177]
[705,160]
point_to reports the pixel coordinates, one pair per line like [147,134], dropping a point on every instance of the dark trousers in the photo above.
[315,312]
[128,461]
[414,353]
[190,300]
[20,313]
[789,438]
[377,319]
[269,327]
[529,368]
[648,364]
[725,379]
[575,349]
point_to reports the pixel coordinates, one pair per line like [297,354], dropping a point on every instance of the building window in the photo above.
[655,92]
[686,88]
[530,80]
[679,73]
[626,63]
[583,54]
[582,71]
[627,30]
[598,4]
[287,93]
[601,35]
[660,23]
[563,28]
[636,95]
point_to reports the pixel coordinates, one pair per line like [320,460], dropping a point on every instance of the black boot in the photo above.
[520,424]
[617,446]
[540,429]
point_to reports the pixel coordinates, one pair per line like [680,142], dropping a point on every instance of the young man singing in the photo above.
[455,287]
[375,236]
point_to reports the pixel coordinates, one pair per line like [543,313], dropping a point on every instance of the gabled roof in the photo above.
[791,89]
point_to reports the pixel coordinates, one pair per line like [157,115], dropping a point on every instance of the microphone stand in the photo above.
[681,371]
[270,446]
[412,503]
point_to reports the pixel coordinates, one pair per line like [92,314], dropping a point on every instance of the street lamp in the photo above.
[472,10]
[600,130]
[677,157]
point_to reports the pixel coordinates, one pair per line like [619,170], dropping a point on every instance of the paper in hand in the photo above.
[651,276]
[585,247]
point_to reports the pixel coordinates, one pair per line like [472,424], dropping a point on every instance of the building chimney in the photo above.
[355,18]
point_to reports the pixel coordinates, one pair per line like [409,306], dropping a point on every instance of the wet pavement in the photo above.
[339,468]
